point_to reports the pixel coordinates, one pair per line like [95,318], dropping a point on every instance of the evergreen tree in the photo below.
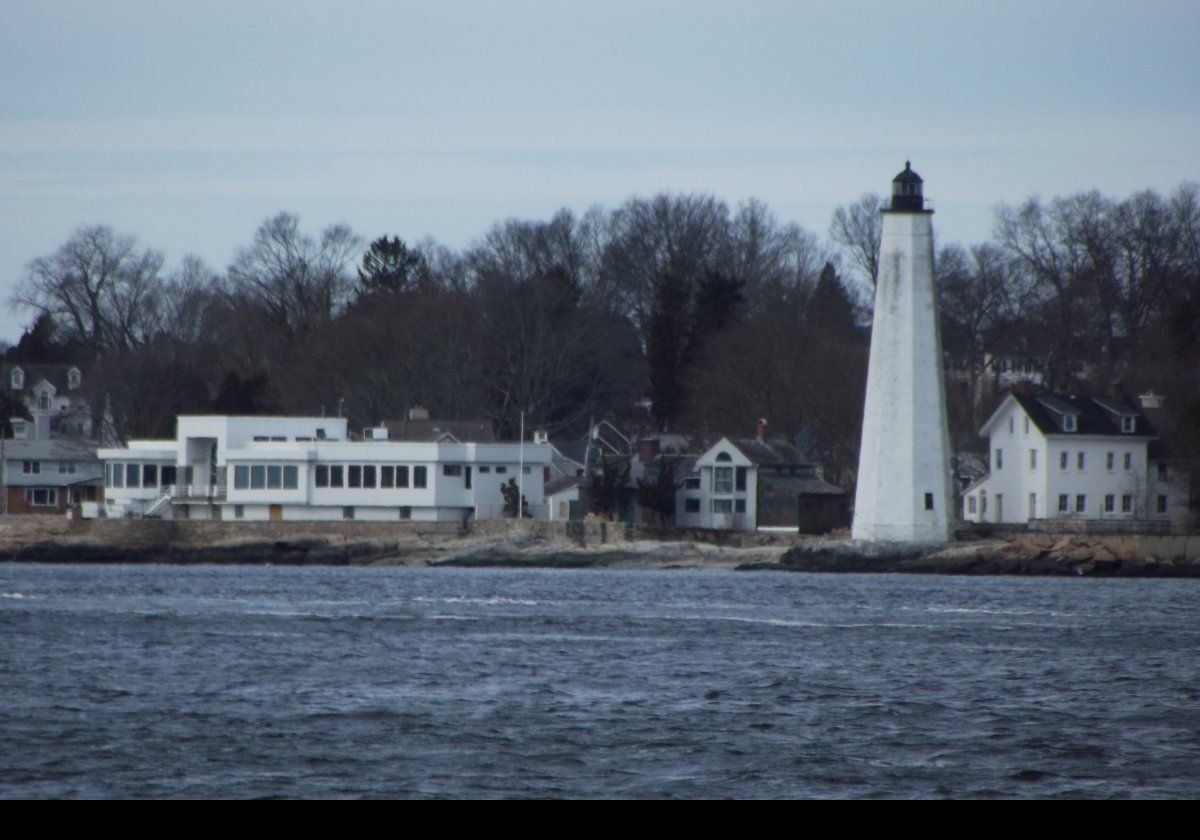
[389,266]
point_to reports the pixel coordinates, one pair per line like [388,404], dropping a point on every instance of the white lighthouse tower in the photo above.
[904,490]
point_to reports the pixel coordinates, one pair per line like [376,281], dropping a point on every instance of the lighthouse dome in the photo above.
[906,190]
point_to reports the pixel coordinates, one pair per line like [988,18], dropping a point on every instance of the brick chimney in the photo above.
[761,431]
[1116,390]
[1024,388]
[647,449]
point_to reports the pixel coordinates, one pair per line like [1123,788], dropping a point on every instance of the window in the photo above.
[739,505]
[740,480]
[1033,505]
[149,475]
[1069,424]
[168,475]
[928,501]
[501,470]
[1079,461]
[1163,474]
[1080,503]
[348,512]
[31,467]
[239,511]
[692,483]
[387,477]
[1063,459]
[1062,503]
[118,475]
[722,505]
[1128,425]
[1110,461]
[354,476]
[405,512]
[1110,503]
[274,477]
[44,401]
[241,478]
[999,459]
[258,477]
[1161,504]
[108,471]
[132,475]
[401,476]
[484,469]
[419,479]
[722,480]
[1126,504]
[18,379]
[691,505]
[452,470]
[73,379]
[1128,461]
[68,468]
[291,477]
[1033,459]
[1026,425]
[368,476]
[336,475]
[321,477]
[1010,425]
[971,504]
[41,496]
[467,477]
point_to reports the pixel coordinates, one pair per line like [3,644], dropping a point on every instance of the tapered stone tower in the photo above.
[904,489]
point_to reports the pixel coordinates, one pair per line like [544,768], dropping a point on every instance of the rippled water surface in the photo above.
[157,681]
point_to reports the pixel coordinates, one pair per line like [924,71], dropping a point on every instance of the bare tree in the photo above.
[99,287]
[857,229]
[299,282]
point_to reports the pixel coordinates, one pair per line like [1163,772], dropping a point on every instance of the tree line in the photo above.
[715,315]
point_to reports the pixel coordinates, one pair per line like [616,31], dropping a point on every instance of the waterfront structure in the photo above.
[1060,456]
[904,491]
[305,468]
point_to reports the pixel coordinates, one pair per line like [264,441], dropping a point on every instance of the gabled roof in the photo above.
[772,453]
[808,485]
[55,374]
[1094,415]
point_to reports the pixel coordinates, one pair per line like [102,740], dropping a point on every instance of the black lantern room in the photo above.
[906,191]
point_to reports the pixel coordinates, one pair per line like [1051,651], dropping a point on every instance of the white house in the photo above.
[1057,456]
[304,468]
[720,491]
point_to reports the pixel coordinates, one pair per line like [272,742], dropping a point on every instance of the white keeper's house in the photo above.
[1056,456]
[306,468]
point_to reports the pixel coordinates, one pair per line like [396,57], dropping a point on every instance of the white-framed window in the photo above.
[67,468]
[1128,461]
[971,504]
[41,496]
[1079,461]
[73,378]
[722,480]
[1033,505]
[1033,459]
[999,459]
[31,467]
[1063,503]
[722,505]
[1080,503]
[44,401]
[692,483]
[1127,503]
[1128,425]
[1069,423]
[1026,425]
[1063,459]
[1110,461]
[17,379]
[1110,503]
[1162,504]
[691,505]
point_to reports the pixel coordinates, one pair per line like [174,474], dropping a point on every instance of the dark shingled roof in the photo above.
[772,453]
[35,372]
[803,485]
[1094,415]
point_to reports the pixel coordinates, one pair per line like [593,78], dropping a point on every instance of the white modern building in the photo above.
[1072,457]
[305,468]
[720,490]
[904,491]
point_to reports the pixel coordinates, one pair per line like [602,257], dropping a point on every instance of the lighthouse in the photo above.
[904,489]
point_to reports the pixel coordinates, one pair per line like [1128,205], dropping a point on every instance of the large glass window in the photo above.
[419,479]
[168,475]
[387,477]
[401,476]
[118,475]
[368,477]
[335,476]
[322,475]
[132,475]
[291,477]
[740,482]
[258,477]
[722,480]
[150,475]
[354,476]
[274,477]
[241,477]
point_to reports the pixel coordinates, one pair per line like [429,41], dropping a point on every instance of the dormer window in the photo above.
[18,379]
[44,401]
[73,378]
[1128,425]
[1069,423]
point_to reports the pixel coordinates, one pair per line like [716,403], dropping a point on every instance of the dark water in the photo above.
[303,682]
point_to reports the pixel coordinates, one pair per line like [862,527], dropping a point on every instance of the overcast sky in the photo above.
[187,124]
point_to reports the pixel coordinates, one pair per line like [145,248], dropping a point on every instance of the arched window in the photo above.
[724,456]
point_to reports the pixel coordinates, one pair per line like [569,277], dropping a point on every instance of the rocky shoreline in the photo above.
[1033,555]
